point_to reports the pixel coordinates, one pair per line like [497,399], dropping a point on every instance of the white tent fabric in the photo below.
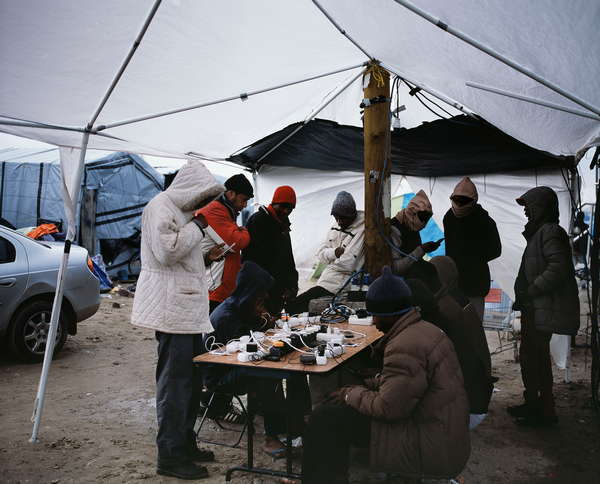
[63,56]
[497,193]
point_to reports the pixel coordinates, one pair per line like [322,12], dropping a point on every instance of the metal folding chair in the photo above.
[217,421]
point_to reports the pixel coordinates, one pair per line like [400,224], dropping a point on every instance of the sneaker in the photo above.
[183,470]
[273,447]
[537,421]
[523,410]
[201,455]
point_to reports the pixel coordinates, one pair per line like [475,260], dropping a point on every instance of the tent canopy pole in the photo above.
[342,31]
[433,92]
[496,55]
[242,96]
[125,63]
[38,407]
[532,100]
[311,117]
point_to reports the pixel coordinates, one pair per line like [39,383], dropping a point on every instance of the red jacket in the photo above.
[221,219]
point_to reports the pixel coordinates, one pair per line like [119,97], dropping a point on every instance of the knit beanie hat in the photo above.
[344,205]
[239,184]
[284,194]
[389,295]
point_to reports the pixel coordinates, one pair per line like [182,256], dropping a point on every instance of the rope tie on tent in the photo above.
[378,73]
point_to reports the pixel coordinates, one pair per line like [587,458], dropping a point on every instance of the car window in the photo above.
[7,251]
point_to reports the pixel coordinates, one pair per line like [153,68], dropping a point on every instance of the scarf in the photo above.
[464,188]
[408,216]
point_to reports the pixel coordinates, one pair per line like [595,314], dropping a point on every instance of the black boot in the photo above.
[201,455]
[183,470]
[523,410]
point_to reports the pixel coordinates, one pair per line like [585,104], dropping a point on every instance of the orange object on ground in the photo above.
[43,229]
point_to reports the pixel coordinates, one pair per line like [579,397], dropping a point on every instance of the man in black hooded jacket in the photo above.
[547,296]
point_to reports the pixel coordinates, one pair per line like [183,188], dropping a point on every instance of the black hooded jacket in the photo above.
[472,241]
[545,286]
[233,317]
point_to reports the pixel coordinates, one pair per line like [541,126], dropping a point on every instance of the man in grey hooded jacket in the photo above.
[172,299]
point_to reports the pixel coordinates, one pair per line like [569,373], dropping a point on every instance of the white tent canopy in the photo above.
[61,57]
[225,74]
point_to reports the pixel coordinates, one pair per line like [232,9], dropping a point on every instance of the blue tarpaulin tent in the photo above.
[30,192]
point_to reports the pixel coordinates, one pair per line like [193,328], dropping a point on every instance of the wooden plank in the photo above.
[376,151]
[291,362]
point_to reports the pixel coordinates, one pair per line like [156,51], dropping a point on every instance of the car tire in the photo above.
[29,331]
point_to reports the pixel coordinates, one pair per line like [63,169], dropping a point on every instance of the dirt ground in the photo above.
[99,421]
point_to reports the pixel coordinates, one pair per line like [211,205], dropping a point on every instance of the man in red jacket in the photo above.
[221,215]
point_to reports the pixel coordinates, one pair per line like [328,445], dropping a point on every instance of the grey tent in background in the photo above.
[116,187]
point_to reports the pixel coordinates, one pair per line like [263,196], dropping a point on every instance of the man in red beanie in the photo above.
[271,248]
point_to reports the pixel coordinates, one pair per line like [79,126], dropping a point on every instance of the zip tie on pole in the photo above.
[489,51]
[374,100]
[341,30]
[532,100]
[224,100]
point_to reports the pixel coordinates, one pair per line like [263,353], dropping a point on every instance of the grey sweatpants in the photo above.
[178,388]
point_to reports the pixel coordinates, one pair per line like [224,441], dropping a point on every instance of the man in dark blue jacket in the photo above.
[239,314]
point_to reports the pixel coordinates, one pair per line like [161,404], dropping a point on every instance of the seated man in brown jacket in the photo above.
[414,415]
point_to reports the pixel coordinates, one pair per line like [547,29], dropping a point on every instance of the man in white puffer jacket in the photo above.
[342,251]
[172,299]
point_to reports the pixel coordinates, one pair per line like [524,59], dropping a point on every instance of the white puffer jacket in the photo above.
[340,268]
[171,294]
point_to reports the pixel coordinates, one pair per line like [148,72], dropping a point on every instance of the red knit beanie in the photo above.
[284,194]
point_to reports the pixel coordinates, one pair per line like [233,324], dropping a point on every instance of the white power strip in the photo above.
[331,337]
[368,321]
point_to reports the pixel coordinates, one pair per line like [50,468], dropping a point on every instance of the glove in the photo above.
[430,246]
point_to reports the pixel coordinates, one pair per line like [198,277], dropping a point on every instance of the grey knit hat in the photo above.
[344,205]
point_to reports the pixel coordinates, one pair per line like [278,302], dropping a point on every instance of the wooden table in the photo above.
[289,365]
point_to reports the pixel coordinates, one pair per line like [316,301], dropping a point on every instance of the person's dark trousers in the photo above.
[284,412]
[330,431]
[301,302]
[536,366]
[212,305]
[178,389]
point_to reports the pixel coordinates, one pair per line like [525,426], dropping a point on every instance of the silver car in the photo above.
[28,272]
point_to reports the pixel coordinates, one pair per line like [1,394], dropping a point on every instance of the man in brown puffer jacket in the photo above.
[547,296]
[414,415]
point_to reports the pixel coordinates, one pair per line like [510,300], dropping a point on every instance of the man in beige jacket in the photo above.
[172,299]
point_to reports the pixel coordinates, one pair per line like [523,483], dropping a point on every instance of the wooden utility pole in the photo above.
[377,181]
